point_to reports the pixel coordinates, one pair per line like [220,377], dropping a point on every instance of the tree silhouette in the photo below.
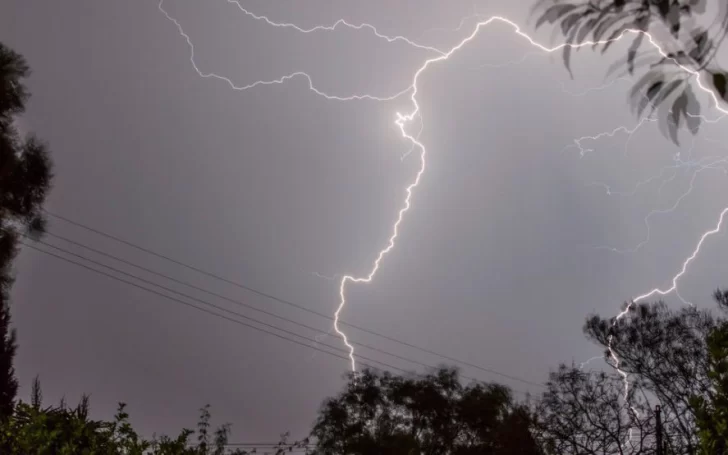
[25,175]
[434,414]
[664,83]
[677,359]
[666,357]
[59,430]
[712,409]
[584,413]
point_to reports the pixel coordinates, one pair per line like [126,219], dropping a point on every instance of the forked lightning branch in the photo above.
[404,120]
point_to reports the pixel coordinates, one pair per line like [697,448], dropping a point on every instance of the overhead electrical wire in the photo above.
[239,315]
[285,301]
[174,299]
[214,294]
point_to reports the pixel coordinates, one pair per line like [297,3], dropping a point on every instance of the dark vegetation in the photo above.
[675,358]
[667,85]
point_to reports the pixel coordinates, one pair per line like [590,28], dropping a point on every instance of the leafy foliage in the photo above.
[25,168]
[665,354]
[672,358]
[712,409]
[584,413]
[666,81]
[8,346]
[434,414]
[58,430]
[25,175]
[677,359]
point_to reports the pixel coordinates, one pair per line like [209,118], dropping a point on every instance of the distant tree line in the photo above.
[677,359]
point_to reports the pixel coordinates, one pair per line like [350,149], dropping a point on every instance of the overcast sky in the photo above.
[276,188]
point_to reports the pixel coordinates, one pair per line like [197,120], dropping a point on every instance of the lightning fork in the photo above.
[676,204]
[662,292]
[683,270]
[593,89]
[331,28]
[278,81]
[403,119]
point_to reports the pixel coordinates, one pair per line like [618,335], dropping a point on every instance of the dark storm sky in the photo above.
[496,264]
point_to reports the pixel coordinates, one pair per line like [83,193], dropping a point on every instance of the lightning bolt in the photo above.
[325,277]
[280,80]
[460,26]
[331,28]
[623,128]
[588,361]
[683,270]
[641,183]
[593,89]
[620,129]
[700,168]
[661,292]
[402,120]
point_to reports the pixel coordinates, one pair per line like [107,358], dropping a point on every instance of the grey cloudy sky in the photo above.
[496,264]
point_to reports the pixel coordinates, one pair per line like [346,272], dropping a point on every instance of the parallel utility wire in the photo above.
[265,295]
[220,296]
[271,326]
[210,312]
[204,302]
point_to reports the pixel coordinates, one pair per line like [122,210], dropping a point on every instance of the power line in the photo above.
[181,294]
[184,283]
[130,283]
[288,302]
[228,311]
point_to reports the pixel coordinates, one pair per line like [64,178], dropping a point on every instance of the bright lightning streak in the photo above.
[662,292]
[624,129]
[671,209]
[683,270]
[403,119]
[419,133]
[641,183]
[328,278]
[331,28]
[460,26]
[593,89]
[280,80]
[630,132]
[588,361]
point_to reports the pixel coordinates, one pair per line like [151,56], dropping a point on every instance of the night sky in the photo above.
[507,247]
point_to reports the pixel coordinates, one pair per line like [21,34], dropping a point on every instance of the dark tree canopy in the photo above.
[434,414]
[584,413]
[25,169]
[25,175]
[686,44]
[664,352]
[672,358]
[63,430]
[711,409]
